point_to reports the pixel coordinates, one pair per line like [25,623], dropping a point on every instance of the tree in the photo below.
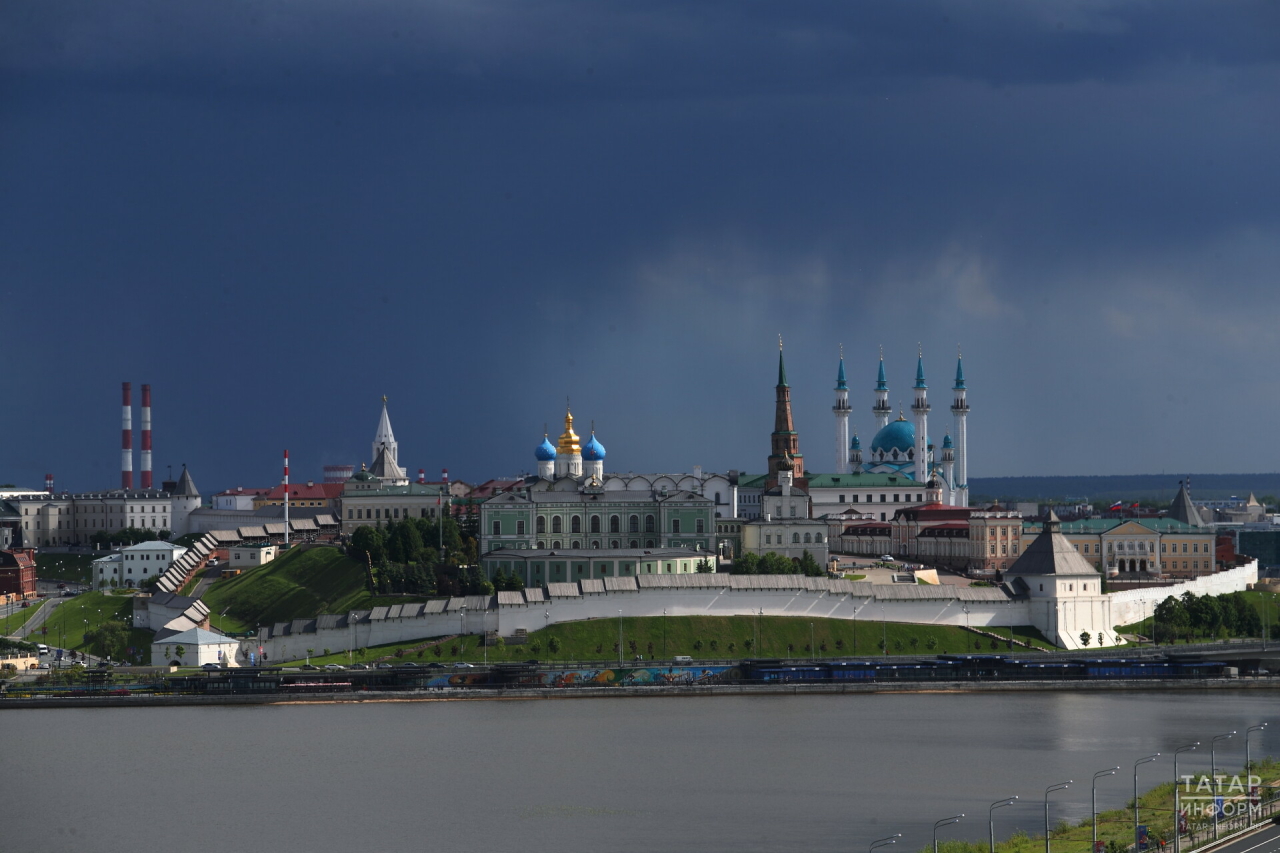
[180,651]
[535,647]
[808,566]
[111,639]
[553,645]
[1084,638]
[931,643]
[774,563]
[705,567]
[748,644]
[733,647]
[747,564]
[915,642]
[697,645]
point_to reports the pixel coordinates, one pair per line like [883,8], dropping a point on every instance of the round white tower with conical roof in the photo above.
[960,411]
[881,408]
[920,409]
[841,410]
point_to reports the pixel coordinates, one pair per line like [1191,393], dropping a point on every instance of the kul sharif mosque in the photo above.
[899,445]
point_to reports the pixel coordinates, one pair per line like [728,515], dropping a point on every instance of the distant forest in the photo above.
[1156,488]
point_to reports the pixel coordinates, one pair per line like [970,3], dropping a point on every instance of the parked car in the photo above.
[886,558]
[333,667]
[361,666]
[309,666]
[385,665]
[62,586]
[435,666]
[464,665]
[211,667]
[410,663]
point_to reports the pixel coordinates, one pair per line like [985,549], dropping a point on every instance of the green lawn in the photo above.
[67,624]
[298,585]
[64,567]
[594,640]
[11,624]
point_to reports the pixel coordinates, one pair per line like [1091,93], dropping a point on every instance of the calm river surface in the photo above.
[819,773]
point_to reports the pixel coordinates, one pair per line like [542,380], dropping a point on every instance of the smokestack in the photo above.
[146,436]
[126,441]
[48,483]
[422,475]
[286,498]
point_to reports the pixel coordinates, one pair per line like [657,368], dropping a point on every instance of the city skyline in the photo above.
[480,211]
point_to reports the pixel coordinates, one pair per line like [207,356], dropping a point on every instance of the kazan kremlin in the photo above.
[589,543]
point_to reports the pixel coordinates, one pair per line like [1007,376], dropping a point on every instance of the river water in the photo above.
[760,773]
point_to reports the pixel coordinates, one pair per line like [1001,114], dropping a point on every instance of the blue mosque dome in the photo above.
[593,450]
[899,435]
[546,451]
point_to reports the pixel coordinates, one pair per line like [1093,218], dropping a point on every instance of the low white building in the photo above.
[245,556]
[135,563]
[198,647]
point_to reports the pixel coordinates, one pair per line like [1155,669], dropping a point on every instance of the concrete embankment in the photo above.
[466,694]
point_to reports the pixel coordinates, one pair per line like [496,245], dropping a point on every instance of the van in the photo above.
[682,659]
[42,648]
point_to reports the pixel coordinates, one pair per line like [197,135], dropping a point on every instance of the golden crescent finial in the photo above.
[842,352]
[919,349]
[779,343]
[882,352]
[958,353]
[384,399]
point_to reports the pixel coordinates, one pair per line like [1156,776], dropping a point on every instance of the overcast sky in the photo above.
[275,213]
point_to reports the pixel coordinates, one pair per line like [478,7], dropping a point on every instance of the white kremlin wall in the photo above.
[713,595]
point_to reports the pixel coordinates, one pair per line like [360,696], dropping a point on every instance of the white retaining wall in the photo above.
[1134,605]
[677,602]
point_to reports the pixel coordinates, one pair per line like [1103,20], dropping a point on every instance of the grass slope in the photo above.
[580,640]
[67,624]
[64,567]
[11,623]
[298,585]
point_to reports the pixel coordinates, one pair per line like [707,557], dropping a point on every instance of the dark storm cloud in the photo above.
[479,208]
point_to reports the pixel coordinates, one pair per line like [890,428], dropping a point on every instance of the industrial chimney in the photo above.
[422,475]
[146,436]
[286,499]
[48,483]
[126,441]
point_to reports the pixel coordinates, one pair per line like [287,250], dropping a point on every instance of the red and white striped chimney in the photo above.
[422,475]
[48,483]
[146,436]
[286,498]
[444,475]
[126,441]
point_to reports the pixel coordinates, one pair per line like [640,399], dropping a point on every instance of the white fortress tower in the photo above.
[841,410]
[920,408]
[881,408]
[960,411]
[384,437]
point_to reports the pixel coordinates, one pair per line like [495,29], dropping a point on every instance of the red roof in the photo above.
[302,491]
[241,490]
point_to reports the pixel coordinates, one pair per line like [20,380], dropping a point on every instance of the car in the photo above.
[26,604]
[333,667]
[385,665]
[464,665]
[886,558]
[310,666]
[435,666]
[211,667]
[410,663]
[62,586]
[361,666]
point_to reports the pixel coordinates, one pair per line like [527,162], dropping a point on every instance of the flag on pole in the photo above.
[1117,505]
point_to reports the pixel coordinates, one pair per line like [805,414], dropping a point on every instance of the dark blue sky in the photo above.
[276,213]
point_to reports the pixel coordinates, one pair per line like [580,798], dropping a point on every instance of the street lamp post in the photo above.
[946,821]
[1247,761]
[1213,771]
[991,818]
[664,633]
[1140,761]
[884,631]
[619,638]
[1177,809]
[884,842]
[1093,799]
[813,650]
[1047,792]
